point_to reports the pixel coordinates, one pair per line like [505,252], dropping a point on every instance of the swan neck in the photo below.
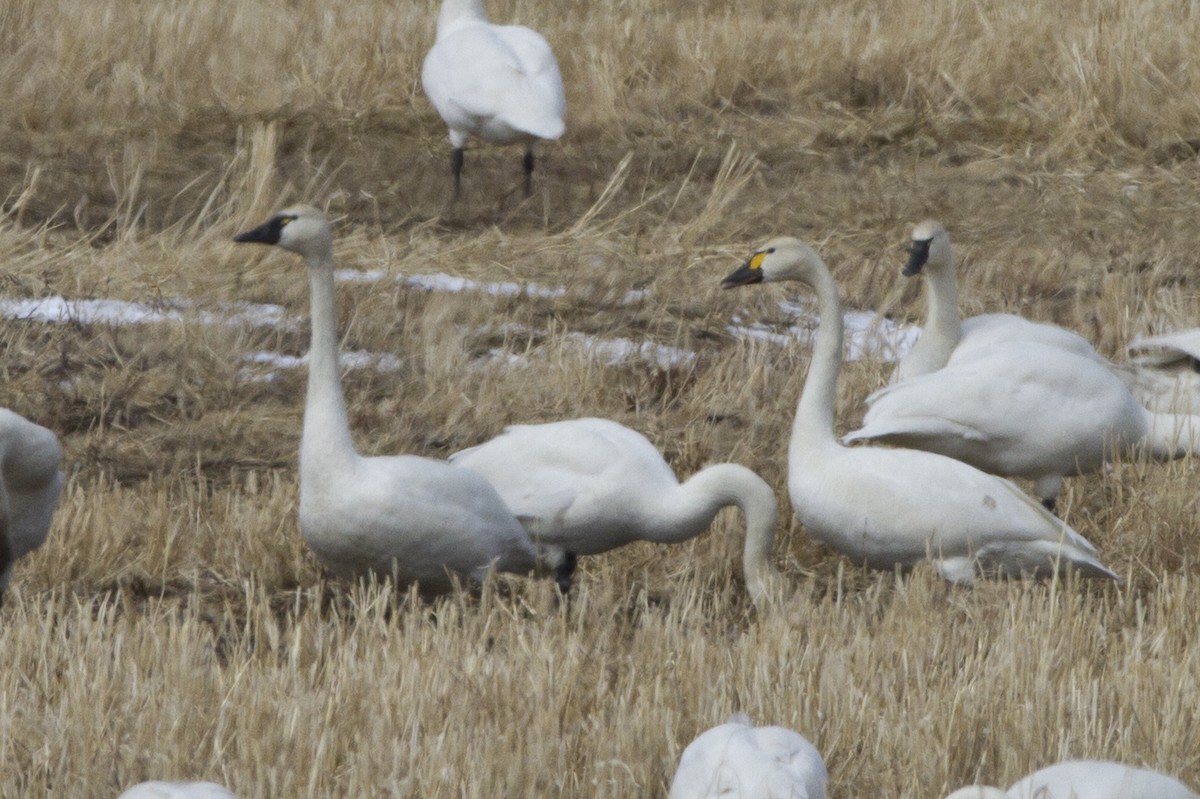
[814,414]
[454,13]
[326,432]
[943,324]
[1172,435]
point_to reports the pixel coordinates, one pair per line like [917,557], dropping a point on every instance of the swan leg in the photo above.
[564,570]
[527,163]
[456,165]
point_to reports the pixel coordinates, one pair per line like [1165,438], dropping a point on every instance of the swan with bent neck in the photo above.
[587,486]
[1085,779]
[30,482]
[498,82]
[892,508]
[946,337]
[417,520]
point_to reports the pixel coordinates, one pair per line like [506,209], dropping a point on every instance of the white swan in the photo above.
[736,760]
[176,790]
[498,82]
[416,519]
[1164,373]
[896,507]
[30,482]
[589,485]
[1086,779]
[945,336]
[1025,409]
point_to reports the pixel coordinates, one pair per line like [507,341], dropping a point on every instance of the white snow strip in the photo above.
[866,333]
[58,310]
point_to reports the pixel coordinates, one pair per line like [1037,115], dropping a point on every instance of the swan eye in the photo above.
[770,250]
[284,220]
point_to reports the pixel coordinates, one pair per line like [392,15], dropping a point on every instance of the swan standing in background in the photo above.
[415,519]
[586,486]
[1025,409]
[895,507]
[177,790]
[945,336]
[30,482]
[1165,371]
[497,82]
[1086,779]
[736,760]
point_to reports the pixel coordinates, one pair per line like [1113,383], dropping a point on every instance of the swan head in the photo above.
[930,245]
[782,258]
[300,229]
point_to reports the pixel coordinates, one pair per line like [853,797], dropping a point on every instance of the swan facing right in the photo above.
[416,520]
[892,508]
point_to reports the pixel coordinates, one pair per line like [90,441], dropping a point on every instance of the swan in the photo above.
[1086,779]
[945,337]
[1025,409]
[30,482]
[896,507]
[587,486]
[498,82]
[176,790]
[1164,373]
[737,760]
[416,519]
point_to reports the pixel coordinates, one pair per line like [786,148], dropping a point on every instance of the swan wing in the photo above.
[981,333]
[176,790]
[736,760]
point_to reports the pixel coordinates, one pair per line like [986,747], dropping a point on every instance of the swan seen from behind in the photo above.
[176,790]
[30,483]
[586,486]
[415,519]
[1086,779]
[892,508]
[499,83]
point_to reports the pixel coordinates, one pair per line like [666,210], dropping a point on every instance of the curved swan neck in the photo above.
[724,484]
[455,12]
[943,324]
[814,413]
[326,424]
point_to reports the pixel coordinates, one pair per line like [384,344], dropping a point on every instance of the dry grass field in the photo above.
[174,625]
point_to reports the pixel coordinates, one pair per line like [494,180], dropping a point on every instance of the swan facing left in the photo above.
[499,83]
[30,482]
[417,520]
[176,790]
[737,760]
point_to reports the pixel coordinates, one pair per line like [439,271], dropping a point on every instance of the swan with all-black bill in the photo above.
[890,508]
[415,519]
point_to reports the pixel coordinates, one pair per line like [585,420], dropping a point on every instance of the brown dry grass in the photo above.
[175,626]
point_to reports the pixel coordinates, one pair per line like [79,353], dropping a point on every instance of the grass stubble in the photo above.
[174,625]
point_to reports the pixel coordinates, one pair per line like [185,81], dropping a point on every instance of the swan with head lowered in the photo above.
[415,519]
[946,337]
[499,83]
[586,486]
[737,760]
[1086,779]
[892,508]
[30,482]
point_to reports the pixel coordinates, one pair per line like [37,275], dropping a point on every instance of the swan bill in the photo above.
[918,256]
[747,274]
[270,232]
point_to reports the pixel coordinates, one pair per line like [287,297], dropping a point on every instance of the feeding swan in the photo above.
[1085,779]
[896,507]
[497,82]
[587,486]
[945,336]
[736,760]
[416,519]
[30,482]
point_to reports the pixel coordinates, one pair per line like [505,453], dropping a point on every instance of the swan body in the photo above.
[586,486]
[736,760]
[1086,779]
[1024,409]
[176,790]
[498,82]
[30,482]
[947,338]
[414,519]
[1164,373]
[892,508]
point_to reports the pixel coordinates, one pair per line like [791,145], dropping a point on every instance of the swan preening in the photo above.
[946,336]
[1085,779]
[895,507]
[737,760]
[498,82]
[586,486]
[177,790]
[30,482]
[411,518]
